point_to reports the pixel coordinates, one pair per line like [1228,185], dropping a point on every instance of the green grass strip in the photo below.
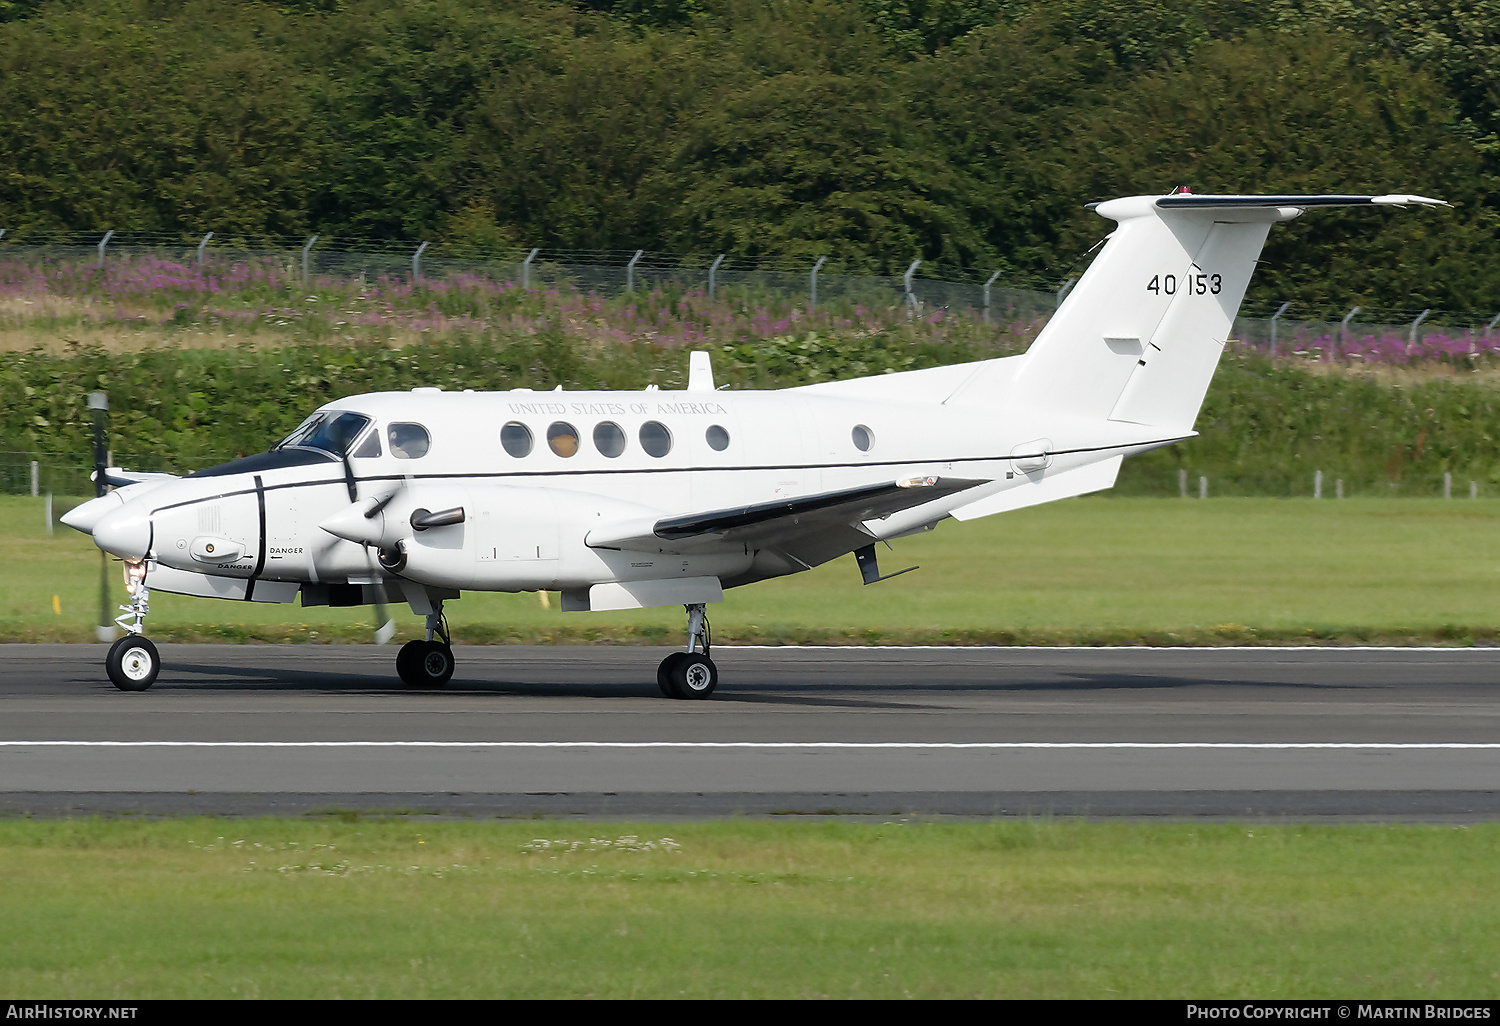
[1094,571]
[370,908]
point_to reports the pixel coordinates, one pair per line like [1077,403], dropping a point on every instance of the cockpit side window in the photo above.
[408,441]
[369,449]
[327,432]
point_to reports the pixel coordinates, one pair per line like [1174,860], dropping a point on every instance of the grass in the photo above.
[1099,570]
[210,908]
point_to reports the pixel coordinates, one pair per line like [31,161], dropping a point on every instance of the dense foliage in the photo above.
[964,132]
[1266,426]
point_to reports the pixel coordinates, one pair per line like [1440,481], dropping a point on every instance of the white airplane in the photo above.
[622,500]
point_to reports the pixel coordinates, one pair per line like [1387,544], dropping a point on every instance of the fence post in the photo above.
[1317,484]
[305,250]
[713,270]
[1411,337]
[1338,489]
[526,267]
[1344,326]
[1447,484]
[1274,318]
[202,246]
[48,514]
[987,285]
[36,471]
[102,243]
[1487,328]
[1062,293]
[630,271]
[1182,482]
[812,305]
[2,233]
[911,300]
[416,263]
[1203,487]
[1473,489]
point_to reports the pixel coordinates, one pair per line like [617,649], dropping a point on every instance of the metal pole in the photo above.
[202,246]
[1274,318]
[630,271]
[416,263]
[1411,338]
[36,474]
[99,410]
[911,300]
[712,271]
[987,296]
[305,250]
[813,303]
[526,268]
[1344,326]
[102,243]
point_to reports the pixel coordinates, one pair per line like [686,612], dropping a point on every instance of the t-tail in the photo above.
[1138,338]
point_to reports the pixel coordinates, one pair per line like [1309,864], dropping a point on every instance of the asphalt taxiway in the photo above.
[1411,734]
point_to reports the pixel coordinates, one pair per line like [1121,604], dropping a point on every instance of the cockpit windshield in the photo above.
[331,432]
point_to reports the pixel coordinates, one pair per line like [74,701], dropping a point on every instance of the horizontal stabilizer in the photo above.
[781,521]
[1191,202]
[1050,486]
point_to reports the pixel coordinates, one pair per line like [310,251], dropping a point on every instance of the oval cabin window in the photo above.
[609,439]
[718,438]
[562,438]
[863,438]
[516,438]
[655,438]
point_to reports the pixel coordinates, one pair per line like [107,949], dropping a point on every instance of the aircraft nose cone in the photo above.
[125,533]
[86,516]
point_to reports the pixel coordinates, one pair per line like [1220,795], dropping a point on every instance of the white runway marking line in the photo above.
[795,745]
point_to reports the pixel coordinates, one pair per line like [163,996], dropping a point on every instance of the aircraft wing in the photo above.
[806,527]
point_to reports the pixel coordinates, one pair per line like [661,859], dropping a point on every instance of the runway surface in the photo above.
[1410,734]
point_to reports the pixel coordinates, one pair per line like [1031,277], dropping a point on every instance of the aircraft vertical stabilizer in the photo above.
[1138,338]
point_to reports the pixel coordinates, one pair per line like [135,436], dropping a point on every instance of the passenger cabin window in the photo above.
[609,438]
[655,438]
[330,432]
[563,438]
[408,441]
[516,437]
[863,438]
[718,438]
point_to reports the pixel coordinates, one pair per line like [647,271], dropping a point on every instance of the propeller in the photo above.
[386,624]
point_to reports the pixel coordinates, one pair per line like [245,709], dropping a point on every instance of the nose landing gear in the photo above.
[690,674]
[133,662]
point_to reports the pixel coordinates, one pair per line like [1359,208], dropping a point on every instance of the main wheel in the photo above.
[132,663]
[664,673]
[425,664]
[406,661]
[694,676]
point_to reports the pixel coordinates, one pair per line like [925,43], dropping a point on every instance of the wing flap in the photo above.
[778,523]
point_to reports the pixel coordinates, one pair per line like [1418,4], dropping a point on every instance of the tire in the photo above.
[695,676]
[664,674]
[406,661]
[132,663]
[430,666]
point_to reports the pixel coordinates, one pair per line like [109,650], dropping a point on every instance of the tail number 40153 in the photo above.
[1195,284]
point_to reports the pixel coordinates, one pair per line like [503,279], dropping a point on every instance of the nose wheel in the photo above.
[132,663]
[690,674]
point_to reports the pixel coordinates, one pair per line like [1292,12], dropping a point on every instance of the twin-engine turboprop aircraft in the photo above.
[622,500]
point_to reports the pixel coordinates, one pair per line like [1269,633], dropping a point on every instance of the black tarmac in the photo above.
[1306,733]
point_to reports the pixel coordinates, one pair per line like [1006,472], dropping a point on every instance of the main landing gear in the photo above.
[690,674]
[428,663]
[133,662]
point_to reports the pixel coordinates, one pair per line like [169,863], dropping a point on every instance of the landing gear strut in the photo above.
[428,663]
[690,674]
[133,662]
